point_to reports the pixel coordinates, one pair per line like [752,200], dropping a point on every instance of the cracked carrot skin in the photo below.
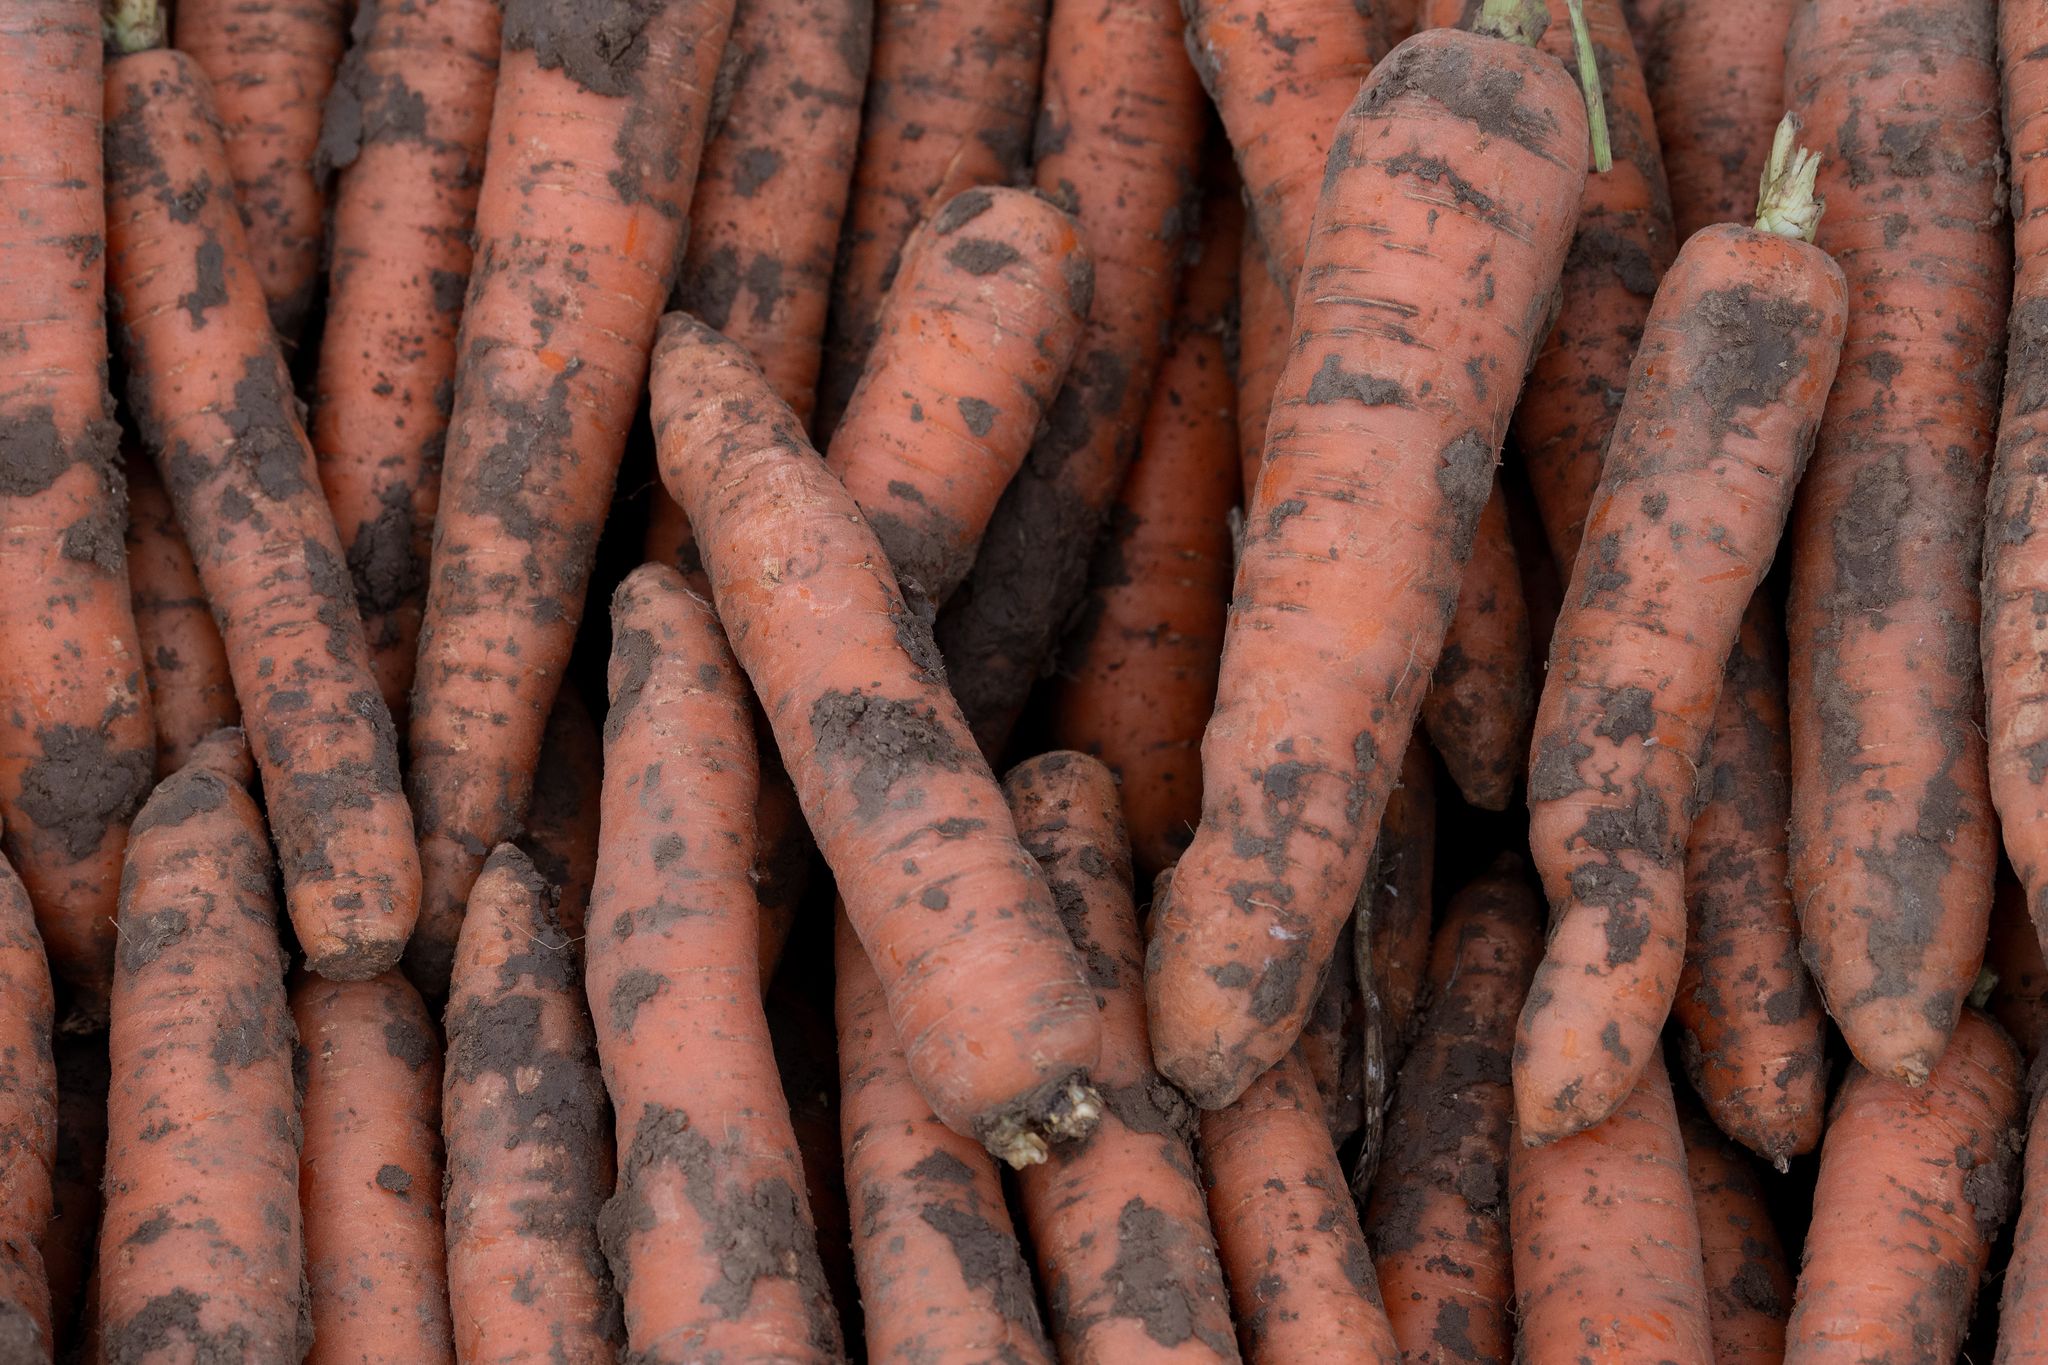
[1118,1222]
[1716,76]
[970,347]
[1915,1184]
[597,129]
[190,691]
[1749,1281]
[1482,697]
[28,1127]
[1381,451]
[984,987]
[709,1235]
[1894,839]
[214,402]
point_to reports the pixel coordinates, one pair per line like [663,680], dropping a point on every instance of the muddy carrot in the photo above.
[1749,1281]
[28,1127]
[1482,697]
[190,691]
[1118,1222]
[404,137]
[528,1132]
[210,391]
[562,825]
[1324,667]
[1264,319]
[1893,845]
[2023,1302]
[68,1242]
[1716,81]
[2019,990]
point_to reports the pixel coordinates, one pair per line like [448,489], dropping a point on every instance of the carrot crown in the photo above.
[1516,21]
[1525,22]
[132,25]
[1785,202]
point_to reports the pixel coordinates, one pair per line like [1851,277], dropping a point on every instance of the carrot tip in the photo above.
[1785,201]
[1066,1110]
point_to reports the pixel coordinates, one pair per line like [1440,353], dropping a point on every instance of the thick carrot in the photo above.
[215,404]
[1749,1281]
[28,1127]
[200,1253]
[708,1236]
[997,1022]
[562,826]
[941,1275]
[190,692]
[271,64]
[1716,75]
[1119,138]
[2019,991]
[75,731]
[1381,450]
[2023,1303]
[1437,1223]
[1482,698]
[370,1172]
[970,346]
[1607,1259]
[68,1242]
[1264,320]
[1138,672]
[1118,1222]
[598,123]
[528,1133]
[1914,1184]
[1749,1024]
[951,92]
[1893,845]
[405,128]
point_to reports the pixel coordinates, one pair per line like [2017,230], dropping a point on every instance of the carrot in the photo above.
[940,1271]
[1370,416]
[2023,1303]
[404,140]
[999,1035]
[528,1132]
[1119,139]
[68,1241]
[969,347]
[1138,676]
[1893,845]
[271,64]
[1607,1259]
[599,120]
[1716,81]
[1437,1222]
[370,1172]
[952,89]
[1300,1277]
[1401,18]
[1481,700]
[562,827]
[708,1236]
[2019,990]
[74,709]
[1749,1281]
[1737,356]
[210,391]
[28,1126]
[190,692]
[1749,1025]
[200,1253]
[1914,1185]
[1118,1222]
[1264,320]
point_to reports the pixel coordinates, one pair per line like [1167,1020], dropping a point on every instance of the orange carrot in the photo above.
[999,1028]
[598,122]
[2023,1303]
[1749,1281]
[190,692]
[405,128]
[28,1127]
[2019,991]
[1893,845]
[68,1243]
[1264,319]
[1482,697]
[562,827]
[1716,75]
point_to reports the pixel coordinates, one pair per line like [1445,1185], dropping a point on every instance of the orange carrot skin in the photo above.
[200,1241]
[2019,995]
[1749,1024]
[190,691]
[952,88]
[1749,1281]
[1893,841]
[1914,1185]
[1119,137]
[74,709]
[1118,1222]
[1438,1220]
[370,1172]
[901,804]
[562,827]
[1265,317]
[1716,75]
[708,1236]
[1323,671]
[68,1241]
[1482,697]
[215,405]
[555,337]
[28,1126]
[941,1275]
[2023,1303]
[1138,673]
[405,130]
[1607,1259]
[270,64]
[528,1133]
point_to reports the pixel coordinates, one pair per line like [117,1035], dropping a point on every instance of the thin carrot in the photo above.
[598,123]
[69,1241]
[1482,698]
[404,134]
[28,1127]
[1749,1281]
[2019,990]
[562,826]
[211,394]
[1323,670]
[1118,1222]
[190,691]
[1716,75]
[1893,842]
[997,1022]
[1264,319]
[2023,1303]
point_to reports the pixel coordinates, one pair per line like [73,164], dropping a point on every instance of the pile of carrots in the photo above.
[1289,681]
